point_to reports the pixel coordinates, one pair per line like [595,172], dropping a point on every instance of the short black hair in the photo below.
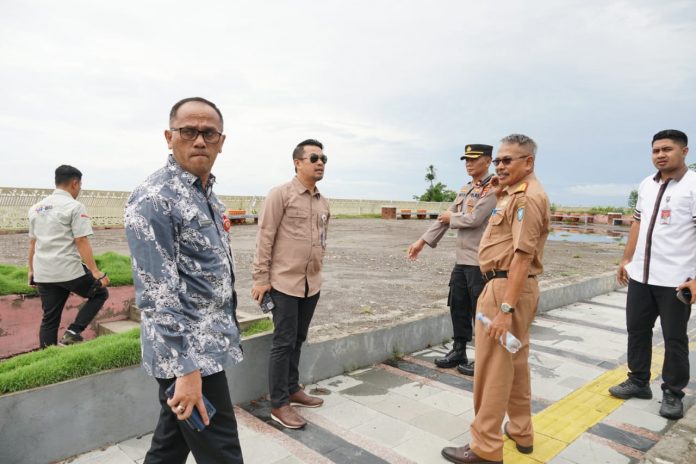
[672,134]
[299,149]
[180,103]
[65,174]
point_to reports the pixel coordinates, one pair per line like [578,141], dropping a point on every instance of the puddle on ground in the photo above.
[588,234]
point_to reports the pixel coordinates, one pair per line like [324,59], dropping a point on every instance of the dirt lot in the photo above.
[367,279]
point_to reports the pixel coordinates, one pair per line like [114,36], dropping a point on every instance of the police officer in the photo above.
[510,256]
[469,215]
[59,230]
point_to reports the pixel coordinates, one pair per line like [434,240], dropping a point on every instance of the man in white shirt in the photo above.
[59,230]
[660,255]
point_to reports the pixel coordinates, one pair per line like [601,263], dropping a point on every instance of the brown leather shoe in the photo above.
[464,455]
[300,398]
[522,449]
[288,417]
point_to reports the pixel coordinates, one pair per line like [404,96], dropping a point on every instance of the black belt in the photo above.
[497,274]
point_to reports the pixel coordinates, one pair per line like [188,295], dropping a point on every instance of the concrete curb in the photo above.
[86,413]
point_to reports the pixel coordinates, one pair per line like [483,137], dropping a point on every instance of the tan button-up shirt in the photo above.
[291,240]
[521,221]
[470,212]
[55,222]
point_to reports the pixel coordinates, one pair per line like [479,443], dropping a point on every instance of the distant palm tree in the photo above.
[430,175]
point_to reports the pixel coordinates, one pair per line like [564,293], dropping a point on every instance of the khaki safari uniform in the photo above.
[470,213]
[520,221]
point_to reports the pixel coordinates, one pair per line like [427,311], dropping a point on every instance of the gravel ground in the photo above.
[368,282]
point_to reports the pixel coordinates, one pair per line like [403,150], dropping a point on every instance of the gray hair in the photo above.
[522,140]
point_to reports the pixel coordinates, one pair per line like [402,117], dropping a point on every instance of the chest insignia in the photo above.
[520,214]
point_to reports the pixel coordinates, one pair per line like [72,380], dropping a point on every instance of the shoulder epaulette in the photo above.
[521,188]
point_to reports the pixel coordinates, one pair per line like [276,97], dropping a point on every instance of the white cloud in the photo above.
[388,87]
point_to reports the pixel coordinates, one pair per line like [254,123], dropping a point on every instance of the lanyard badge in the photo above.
[666,213]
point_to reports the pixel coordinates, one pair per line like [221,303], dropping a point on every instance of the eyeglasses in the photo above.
[191,133]
[506,160]
[313,158]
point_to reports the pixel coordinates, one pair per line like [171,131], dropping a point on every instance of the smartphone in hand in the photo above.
[267,303]
[195,421]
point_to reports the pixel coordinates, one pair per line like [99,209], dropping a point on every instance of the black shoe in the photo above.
[454,357]
[70,338]
[466,368]
[629,389]
[522,449]
[672,407]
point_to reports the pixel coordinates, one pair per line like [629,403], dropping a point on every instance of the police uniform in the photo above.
[520,221]
[470,213]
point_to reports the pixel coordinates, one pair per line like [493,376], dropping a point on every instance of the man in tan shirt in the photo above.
[289,251]
[510,257]
[469,216]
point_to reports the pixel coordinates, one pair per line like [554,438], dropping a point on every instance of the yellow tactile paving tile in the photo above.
[563,422]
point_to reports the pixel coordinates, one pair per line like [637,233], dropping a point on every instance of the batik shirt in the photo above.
[183,274]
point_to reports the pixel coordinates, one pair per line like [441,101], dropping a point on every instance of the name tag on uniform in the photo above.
[665,216]
[205,222]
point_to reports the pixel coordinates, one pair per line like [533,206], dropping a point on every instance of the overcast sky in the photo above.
[388,86]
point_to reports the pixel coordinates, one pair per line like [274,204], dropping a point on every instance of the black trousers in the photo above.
[53,297]
[466,284]
[643,305]
[291,318]
[218,443]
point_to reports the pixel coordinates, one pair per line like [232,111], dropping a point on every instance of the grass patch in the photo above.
[264,325]
[13,279]
[56,364]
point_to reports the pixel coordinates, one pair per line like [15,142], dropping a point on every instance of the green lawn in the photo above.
[56,364]
[13,279]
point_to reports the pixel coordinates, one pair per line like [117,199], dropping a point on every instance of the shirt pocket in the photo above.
[297,223]
[458,204]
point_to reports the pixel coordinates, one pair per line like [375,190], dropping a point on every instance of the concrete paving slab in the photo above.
[650,420]
[348,414]
[588,450]
[587,312]
[453,403]
[402,408]
[110,455]
[339,383]
[424,448]
[442,424]
[617,299]
[415,390]
[136,448]
[387,431]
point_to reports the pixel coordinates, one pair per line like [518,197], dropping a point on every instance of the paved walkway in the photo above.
[406,410]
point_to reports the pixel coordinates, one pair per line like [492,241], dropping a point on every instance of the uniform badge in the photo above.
[520,214]
[226,223]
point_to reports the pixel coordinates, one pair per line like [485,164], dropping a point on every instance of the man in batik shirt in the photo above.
[184,281]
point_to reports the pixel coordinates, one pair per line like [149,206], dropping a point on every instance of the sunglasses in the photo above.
[506,160]
[313,158]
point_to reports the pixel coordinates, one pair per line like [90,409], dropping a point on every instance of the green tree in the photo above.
[436,191]
[633,199]
[692,166]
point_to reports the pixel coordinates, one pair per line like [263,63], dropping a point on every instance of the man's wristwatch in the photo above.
[506,308]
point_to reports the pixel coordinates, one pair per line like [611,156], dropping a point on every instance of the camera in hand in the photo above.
[267,303]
